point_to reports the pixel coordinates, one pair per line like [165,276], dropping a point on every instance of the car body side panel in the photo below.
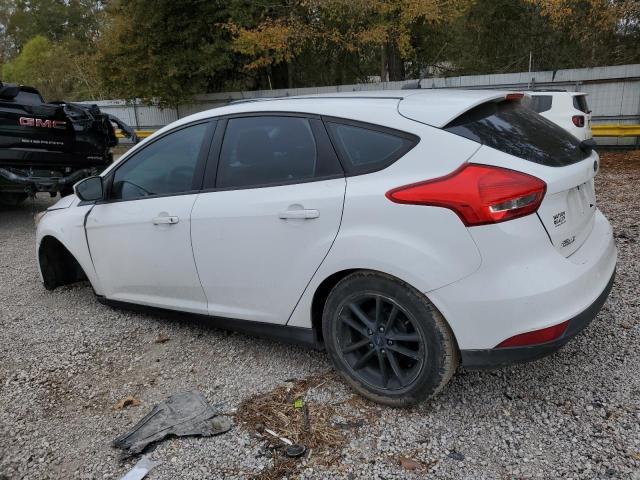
[427,247]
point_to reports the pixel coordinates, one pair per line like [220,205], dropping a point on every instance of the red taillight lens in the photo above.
[536,337]
[478,194]
[578,120]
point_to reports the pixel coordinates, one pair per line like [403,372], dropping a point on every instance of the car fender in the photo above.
[67,225]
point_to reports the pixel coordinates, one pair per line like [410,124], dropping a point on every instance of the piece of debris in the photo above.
[409,464]
[295,451]
[182,414]
[140,469]
[282,439]
[456,456]
[126,402]
[162,338]
[311,426]
[349,424]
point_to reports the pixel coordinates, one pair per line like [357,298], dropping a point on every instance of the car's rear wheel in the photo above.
[387,340]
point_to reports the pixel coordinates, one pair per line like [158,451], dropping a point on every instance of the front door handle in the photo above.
[304,214]
[166,220]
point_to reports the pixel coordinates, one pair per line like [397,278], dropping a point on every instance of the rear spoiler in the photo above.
[439,107]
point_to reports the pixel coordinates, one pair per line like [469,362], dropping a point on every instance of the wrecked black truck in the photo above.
[48,147]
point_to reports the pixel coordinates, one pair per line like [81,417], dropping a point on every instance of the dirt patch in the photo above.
[620,159]
[290,412]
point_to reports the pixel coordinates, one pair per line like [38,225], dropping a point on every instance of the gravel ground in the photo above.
[66,360]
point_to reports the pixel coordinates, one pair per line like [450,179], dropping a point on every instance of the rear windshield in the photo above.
[540,103]
[514,129]
[580,103]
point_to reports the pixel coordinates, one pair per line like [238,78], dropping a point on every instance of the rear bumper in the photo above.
[497,357]
[524,284]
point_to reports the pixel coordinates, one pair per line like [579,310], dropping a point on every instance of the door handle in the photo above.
[165,220]
[299,214]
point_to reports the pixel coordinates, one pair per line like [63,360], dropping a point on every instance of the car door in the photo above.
[140,238]
[268,218]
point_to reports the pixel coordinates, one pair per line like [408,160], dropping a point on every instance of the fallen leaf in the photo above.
[409,464]
[126,402]
[161,339]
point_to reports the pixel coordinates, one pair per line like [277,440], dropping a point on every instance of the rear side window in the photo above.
[514,129]
[540,103]
[271,150]
[580,103]
[365,150]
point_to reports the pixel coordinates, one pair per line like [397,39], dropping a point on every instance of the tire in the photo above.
[397,363]
[12,199]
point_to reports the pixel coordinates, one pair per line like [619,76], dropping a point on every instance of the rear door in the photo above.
[568,211]
[541,148]
[271,213]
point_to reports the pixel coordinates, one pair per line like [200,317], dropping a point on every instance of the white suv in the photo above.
[404,231]
[567,109]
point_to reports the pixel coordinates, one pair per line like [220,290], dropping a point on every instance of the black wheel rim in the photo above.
[380,341]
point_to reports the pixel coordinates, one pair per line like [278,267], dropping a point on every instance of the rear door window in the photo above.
[365,150]
[580,103]
[517,130]
[272,150]
[540,103]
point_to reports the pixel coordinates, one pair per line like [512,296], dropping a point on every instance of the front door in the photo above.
[140,239]
[274,209]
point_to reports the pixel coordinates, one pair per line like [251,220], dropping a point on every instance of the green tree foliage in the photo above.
[56,20]
[169,50]
[165,50]
[58,70]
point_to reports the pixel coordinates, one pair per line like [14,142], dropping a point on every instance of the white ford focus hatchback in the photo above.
[404,231]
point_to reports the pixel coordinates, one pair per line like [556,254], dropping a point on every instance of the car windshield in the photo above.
[517,130]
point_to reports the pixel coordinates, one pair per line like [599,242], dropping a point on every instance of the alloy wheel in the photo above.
[380,341]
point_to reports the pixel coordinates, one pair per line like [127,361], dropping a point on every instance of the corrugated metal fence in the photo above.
[614,95]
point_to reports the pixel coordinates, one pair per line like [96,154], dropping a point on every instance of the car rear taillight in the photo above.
[578,120]
[478,194]
[536,337]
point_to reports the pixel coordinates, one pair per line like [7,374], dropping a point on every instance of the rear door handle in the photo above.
[166,220]
[299,214]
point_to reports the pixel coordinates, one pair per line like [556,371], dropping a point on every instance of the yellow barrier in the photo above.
[605,130]
[599,130]
[140,133]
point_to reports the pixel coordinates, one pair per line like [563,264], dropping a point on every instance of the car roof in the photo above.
[435,107]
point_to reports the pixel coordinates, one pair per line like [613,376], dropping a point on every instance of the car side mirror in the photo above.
[90,189]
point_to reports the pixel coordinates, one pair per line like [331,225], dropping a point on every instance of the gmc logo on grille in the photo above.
[38,122]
